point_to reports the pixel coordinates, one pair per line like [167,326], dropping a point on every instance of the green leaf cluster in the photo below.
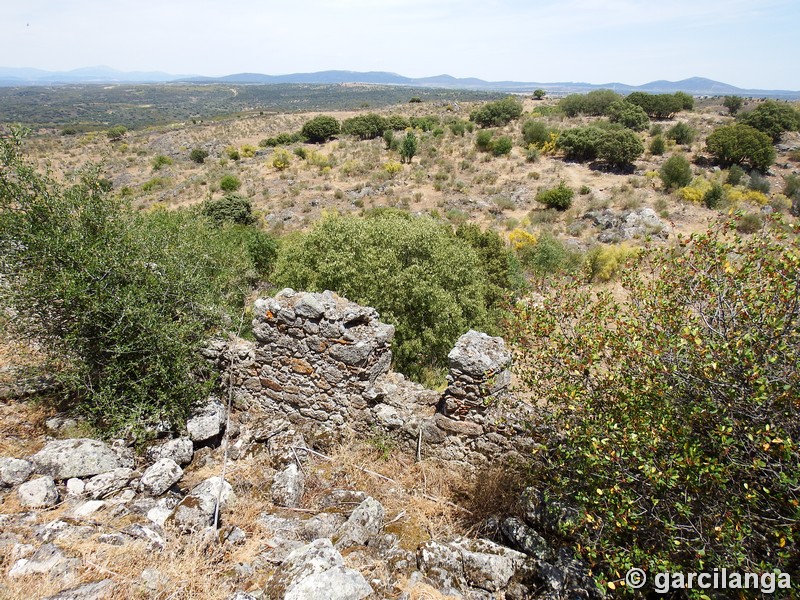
[670,418]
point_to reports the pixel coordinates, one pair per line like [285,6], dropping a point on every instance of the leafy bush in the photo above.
[229,183]
[320,129]
[628,115]
[392,168]
[758,183]
[741,144]
[497,113]
[676,172]
[604,262]
[161,161]
[424,123]
[125,298]
[156,183]
[281,159]
[559,198]
[657,146]
[548,256]
[232,152]
[535,132]
[735,175]
[231,208]
[365,127]
[594,103]
[398,122]
[580,143]
[248,151]
[198,155]
[413,270]
[670,420]
[116,133]
[733,104]
[619,148]
[681,133]
[408,149]
[502,146]
[714,197]
[773,118]
[282,139]
[657,106]
[483,140]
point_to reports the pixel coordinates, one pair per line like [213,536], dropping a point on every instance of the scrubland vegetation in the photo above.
[664,363]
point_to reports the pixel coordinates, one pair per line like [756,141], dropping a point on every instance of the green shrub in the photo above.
[161,161]
[628,115]
[773,118]
[425,123]
[231,208]
[535,132]
[116,133]
[548,256]
[657,146]
[229,183]
[398,122]
[198,155]
[714,197]
[657,106]
[594,103]
[669,417]
[413,270]
[320,129]
[300,153]
[232,152]
[282,139]
[483,140]
[458,127]
[408,149]
[758,183]
[733,104]
[502,146]
[749,223]
[156,183]
[558,198]
[676,172]
[365,127]
[791,186]
[123,298]
[735,175]
[281,159]
[681,133]
[741,144]
[497,113]
[604,263]
[619,148]
[580,143]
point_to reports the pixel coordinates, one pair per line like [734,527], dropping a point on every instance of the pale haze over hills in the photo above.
[749,45]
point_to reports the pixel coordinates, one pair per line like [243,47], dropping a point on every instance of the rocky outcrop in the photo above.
[62,459]
[619,226]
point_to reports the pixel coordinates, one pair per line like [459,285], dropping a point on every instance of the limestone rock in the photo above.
[97,590]
[180,450]
[316,571]
[364,522]
[288,487]
[207,420]
[160,476]
[38,493]
[14,471]
[477,354]
[196,510]
[104,484]
[48,560]
[523,538]
[62,459]
[488,565]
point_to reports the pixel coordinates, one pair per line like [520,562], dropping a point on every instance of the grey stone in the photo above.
[75,487]
[180,450]
[488,565]
[160,476]
[104,484]
[316,571]
[364,522]
[309,307]
[442,565]
[38,493]
[47,560]
[207,420]
[196,510]
[387,416]
[352,354]
[242,596]
[525,539]
[288,487]
[87,508]
[322,525]
[14,471]
[62,459]
[97,590]
[155,540]
[478,354]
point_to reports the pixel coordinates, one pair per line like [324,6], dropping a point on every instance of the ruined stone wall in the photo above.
[323,363]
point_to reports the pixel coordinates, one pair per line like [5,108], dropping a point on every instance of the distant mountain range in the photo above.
[699,86]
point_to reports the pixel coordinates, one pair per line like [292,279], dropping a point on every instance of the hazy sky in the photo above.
[747,43]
